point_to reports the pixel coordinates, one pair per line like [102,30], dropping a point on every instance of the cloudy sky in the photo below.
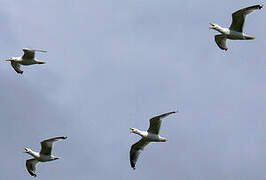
[113,65]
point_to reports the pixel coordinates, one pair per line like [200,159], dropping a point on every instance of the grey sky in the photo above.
[113,65]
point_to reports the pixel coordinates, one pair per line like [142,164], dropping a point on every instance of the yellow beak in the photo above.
[212,25]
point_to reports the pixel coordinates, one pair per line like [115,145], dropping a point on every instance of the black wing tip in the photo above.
[225,49]
[258,6]
[172,112]
[133,166]
[19,72]
[60,137]
[132,163]
[32,174]
[222,48]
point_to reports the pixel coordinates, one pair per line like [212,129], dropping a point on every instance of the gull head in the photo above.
[213,26]
[133,130]
[10,59]
[27,150]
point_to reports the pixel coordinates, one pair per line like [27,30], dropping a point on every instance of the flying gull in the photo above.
[152,135]
[28,58]
[42,156]
[235,31]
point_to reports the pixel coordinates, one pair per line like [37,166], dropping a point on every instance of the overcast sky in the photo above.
[113,65]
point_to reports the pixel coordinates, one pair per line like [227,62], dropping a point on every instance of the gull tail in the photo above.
[41,62]
[247,37]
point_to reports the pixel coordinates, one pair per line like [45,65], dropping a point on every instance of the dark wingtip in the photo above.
[133,165]
[32,174]
[261,6]
[176,111]
[225,49]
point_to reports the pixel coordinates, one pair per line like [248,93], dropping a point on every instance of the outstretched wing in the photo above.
[30,53]
[31,166]
[238,17]
[135,151]
[47,145]
[16,67]
[155,122]
[221,41]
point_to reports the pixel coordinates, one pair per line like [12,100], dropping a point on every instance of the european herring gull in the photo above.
[235,31]
[43,156]
[152,135]
[28,58]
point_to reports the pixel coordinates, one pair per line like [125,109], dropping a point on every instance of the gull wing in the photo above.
[16,67]
[135,151]
[155,122]
[31,166]
[30,53]
[238,17]
[221,41]
[47,145]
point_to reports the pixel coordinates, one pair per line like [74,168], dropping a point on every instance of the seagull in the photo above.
[152,135]
[235,31]
[42,156]
[26,59]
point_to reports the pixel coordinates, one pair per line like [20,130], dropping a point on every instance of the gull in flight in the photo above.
[235,31]
[28,58]
[43,156]
[152,135]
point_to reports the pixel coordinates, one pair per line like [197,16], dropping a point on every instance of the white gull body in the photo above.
[28,58]
[235,31]
[151,135]
[43,156]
